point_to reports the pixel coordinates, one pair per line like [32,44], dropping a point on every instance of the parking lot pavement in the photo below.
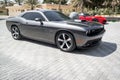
[32,60]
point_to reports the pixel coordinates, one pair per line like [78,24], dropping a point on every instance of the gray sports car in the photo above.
[54,27]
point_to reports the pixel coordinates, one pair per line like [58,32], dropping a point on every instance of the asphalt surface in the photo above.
[33,60]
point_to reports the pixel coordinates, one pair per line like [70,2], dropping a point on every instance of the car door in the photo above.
[31,28]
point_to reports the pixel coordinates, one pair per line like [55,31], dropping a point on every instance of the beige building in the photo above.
[64,8]
[16,9]
[3,11]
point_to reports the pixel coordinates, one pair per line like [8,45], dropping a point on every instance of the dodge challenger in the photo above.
[56,28]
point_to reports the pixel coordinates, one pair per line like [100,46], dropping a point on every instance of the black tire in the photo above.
[65,41]
[16,33]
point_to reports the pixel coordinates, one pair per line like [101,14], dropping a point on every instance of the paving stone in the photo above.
[33,60]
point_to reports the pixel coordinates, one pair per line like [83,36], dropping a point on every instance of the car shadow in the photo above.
[102,50]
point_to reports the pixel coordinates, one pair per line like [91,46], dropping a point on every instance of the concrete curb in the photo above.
[113,19]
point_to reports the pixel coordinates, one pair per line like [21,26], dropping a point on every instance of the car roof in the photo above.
[36,10]
[40,10]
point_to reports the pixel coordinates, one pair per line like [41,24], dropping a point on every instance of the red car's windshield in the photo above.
[85,14]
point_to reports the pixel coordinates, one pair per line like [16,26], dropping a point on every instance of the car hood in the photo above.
[84,24]
[99,17]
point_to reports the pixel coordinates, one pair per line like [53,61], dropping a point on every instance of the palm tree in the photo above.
[111,4]
[59,2]
[32,3]
[19,1]
[6,2]
[48,1]
[81,4]
[59,8]
[78,4]
[114,4]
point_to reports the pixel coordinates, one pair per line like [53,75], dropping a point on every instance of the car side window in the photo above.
[33,15]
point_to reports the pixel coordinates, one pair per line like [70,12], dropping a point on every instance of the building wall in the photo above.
[15,10]
[3,11]
[64,8]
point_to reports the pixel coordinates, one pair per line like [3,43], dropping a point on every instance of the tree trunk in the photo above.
[59,8]
[19,2]
[32,6]
[5,2]
[82,4]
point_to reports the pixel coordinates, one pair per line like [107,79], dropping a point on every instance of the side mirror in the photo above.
[40,20]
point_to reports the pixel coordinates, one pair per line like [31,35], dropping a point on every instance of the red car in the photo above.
[87,17]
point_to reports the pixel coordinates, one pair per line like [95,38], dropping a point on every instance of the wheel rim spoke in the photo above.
[63,36]
[63,44]
[13,29]
[67,46]
[13,34]
[69,39]
[16,33]
[61,40]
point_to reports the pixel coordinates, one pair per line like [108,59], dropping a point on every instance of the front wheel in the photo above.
[15,33]
[65,41]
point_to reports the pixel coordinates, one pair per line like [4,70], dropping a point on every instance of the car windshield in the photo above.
[55,16]
[86,14]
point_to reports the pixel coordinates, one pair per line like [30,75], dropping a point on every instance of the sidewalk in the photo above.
[3,17]
[113,19]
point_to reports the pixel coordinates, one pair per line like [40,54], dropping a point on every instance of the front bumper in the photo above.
[104,22]
[85,41]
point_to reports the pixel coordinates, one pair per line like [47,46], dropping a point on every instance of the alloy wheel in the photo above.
[65,42]
[15,33]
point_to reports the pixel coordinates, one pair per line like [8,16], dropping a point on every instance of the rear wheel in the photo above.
[65,41]
[15,33]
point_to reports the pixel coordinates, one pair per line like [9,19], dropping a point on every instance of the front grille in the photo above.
[92,42]
[94,32]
